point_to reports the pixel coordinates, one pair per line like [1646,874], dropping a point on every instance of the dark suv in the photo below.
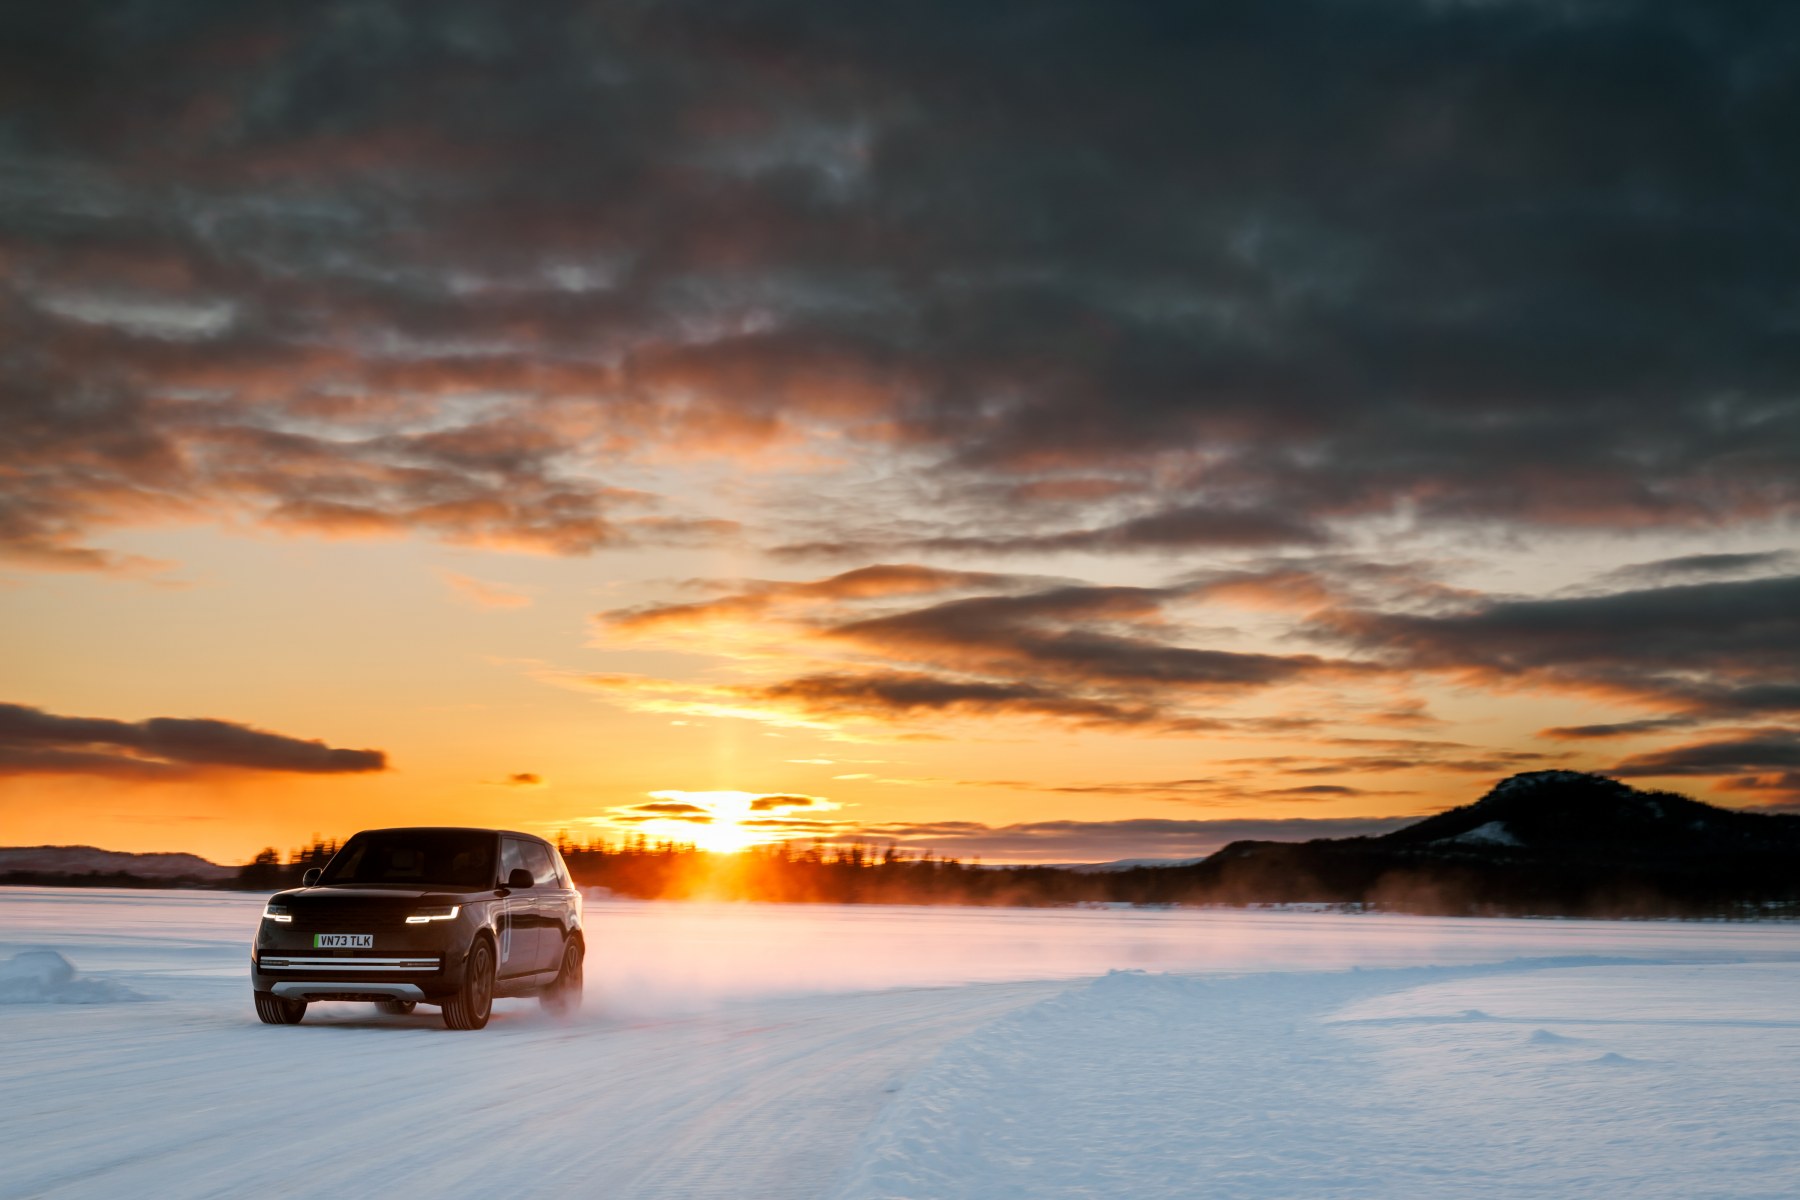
[452,917]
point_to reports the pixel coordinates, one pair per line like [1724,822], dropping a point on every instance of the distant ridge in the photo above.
[1572,811]
[1562,843]
[90,860]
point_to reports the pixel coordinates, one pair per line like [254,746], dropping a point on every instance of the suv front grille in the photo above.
[348,916]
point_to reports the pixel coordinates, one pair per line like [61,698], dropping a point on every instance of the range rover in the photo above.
[440,916]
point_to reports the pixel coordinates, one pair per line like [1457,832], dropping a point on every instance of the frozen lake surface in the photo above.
[860,1052]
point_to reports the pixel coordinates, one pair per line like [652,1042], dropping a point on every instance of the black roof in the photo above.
[453,829]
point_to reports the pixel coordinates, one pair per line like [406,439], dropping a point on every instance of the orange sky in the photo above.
[570,702]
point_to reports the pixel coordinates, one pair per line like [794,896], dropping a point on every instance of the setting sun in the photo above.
[721,822]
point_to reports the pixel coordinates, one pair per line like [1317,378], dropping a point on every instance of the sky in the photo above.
[1033,431]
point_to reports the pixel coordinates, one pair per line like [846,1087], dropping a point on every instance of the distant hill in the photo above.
[1541,843]
[56,863]
[1572,813]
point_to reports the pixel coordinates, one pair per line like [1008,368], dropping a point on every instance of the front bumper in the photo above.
[410,963]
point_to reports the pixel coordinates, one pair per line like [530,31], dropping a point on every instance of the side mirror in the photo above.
[311,877]
[518,879]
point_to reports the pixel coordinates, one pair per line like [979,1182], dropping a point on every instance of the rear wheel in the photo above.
[279,1010]
[395,1008]
[564,996]
[472,1003]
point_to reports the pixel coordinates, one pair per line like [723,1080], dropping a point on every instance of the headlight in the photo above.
[277,912]
[446,913]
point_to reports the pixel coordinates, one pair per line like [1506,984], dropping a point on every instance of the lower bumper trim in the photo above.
[292,962]
[340,989]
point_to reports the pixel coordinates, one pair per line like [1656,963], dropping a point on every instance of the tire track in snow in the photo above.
[196,1099]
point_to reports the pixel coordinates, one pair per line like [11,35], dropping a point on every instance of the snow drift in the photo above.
[46,977]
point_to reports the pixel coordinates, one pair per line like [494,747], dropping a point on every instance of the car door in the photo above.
[516,922]
[545,919]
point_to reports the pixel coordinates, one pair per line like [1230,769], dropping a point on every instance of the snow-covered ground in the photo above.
[854,1053]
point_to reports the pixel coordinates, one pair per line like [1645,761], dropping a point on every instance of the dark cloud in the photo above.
[780,803]
[1106,635]
[1180,528]
[1689,567]
[669,808]
[1704,650]
[893,695]
[750,599]
[795,825]
[1577,733]
[36,742]
[1779,790]
[1765,751]
[1227,275]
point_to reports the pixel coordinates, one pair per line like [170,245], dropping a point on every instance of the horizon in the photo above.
[640,841]
[1028,435]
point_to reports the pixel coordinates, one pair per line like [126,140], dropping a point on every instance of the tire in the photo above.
[396,1008]
[472,1003]
[278,1010]
[564,996]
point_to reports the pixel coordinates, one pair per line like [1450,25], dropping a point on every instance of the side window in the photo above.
[562,870]
[537,859]
[512,857]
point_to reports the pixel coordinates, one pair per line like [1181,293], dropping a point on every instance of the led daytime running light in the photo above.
[447,913]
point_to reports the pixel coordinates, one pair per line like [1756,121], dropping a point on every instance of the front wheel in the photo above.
[472,1003]
[279,1010]
[564,996]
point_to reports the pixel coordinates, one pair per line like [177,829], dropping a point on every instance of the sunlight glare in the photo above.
[715,821]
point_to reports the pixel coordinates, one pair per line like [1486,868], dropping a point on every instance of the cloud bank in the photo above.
[33,741]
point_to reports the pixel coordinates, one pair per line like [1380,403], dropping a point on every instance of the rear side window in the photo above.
[512,857]
[537,860]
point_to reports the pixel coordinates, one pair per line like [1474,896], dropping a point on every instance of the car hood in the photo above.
[380,896]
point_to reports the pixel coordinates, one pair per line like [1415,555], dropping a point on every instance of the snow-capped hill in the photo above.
[1545,842]
[90,860]
[1574,812]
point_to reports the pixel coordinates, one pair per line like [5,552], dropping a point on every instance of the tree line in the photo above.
[1352,873]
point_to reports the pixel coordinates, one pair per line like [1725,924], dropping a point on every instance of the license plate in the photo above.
[343,941]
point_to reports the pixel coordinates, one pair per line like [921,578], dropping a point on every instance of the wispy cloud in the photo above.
[481,593]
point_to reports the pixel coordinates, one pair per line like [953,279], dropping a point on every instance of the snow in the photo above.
[855,1053]
[1494,833]
[1416,1082]
[46,977]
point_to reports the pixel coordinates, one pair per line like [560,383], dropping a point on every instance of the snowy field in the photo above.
[854,1053]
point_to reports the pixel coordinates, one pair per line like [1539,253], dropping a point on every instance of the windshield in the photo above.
[458,859]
